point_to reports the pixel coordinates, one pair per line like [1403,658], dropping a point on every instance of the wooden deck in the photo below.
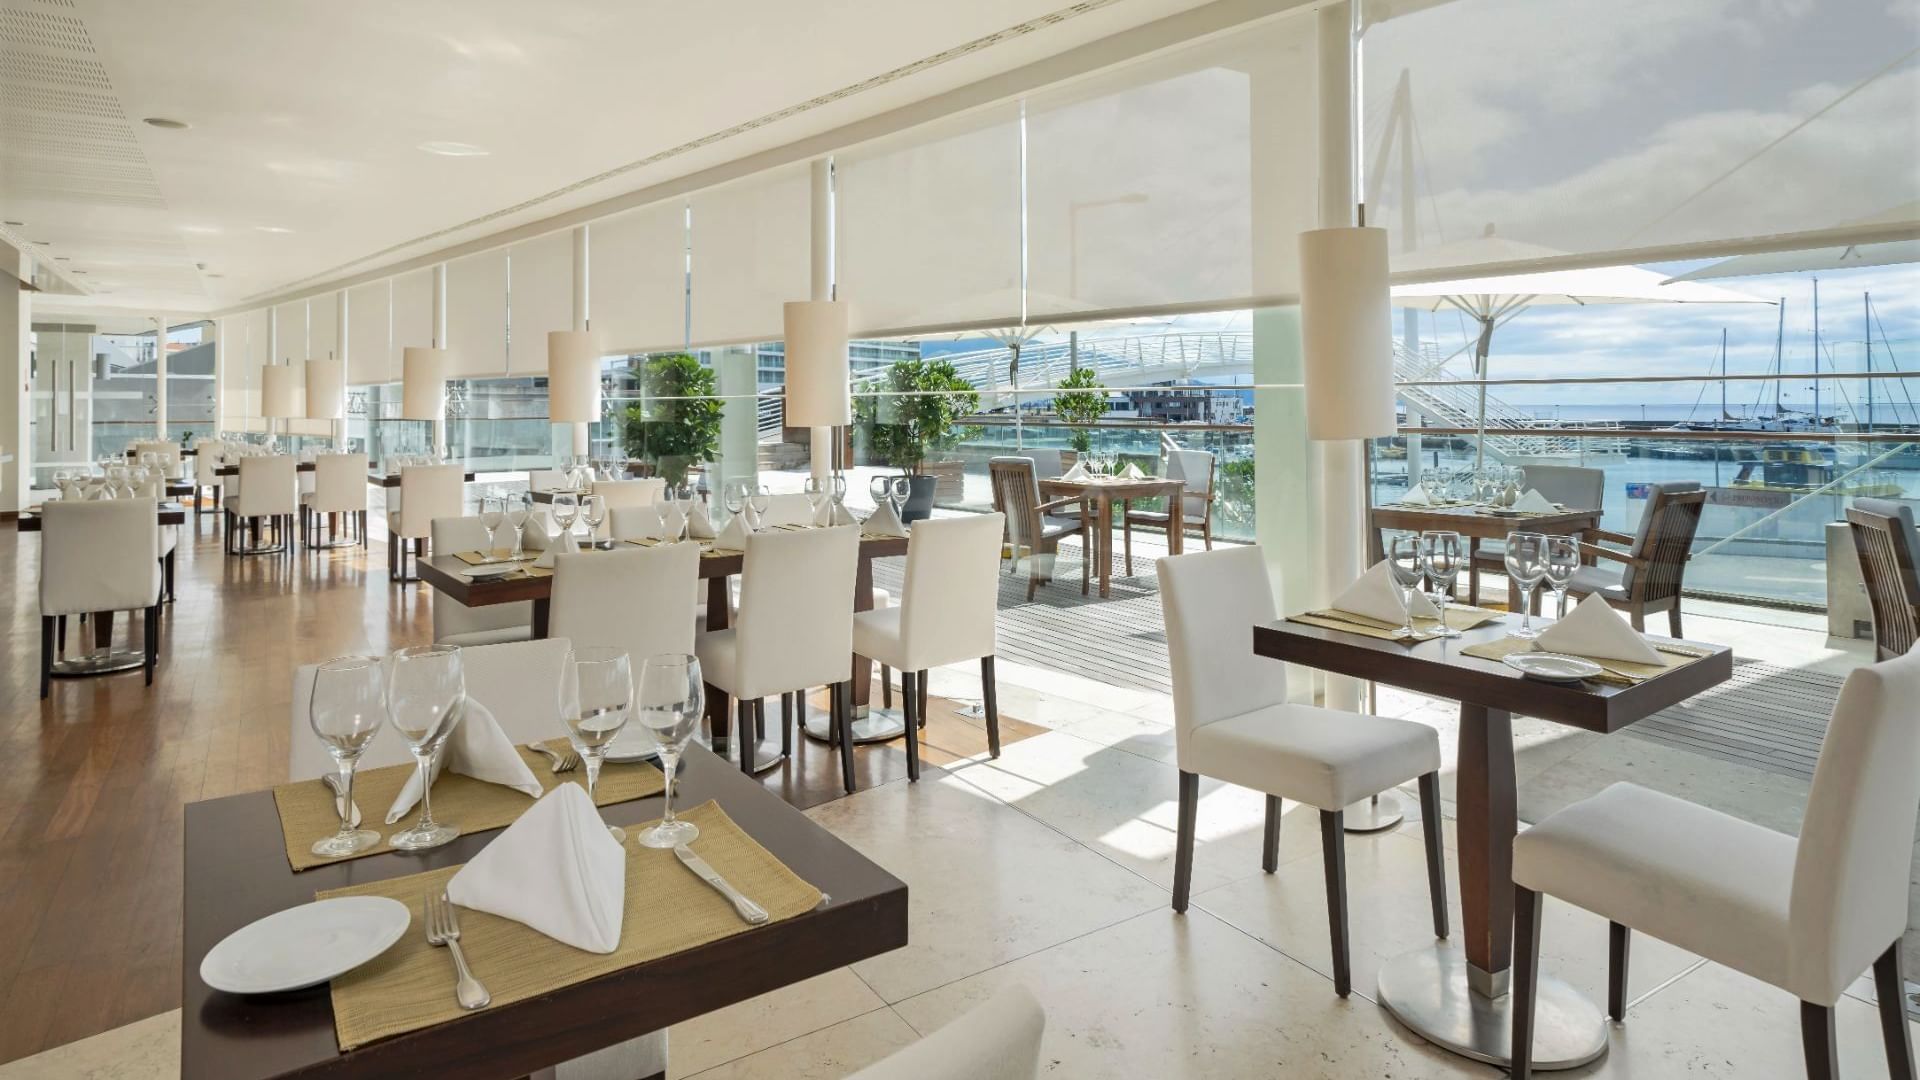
[1766,717]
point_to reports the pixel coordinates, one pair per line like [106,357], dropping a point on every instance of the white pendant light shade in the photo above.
[280,386]
[1346,332]
[423,383]
[817,372]
[573,377]
[326,389]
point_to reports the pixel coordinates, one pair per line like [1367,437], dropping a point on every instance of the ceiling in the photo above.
[302,161]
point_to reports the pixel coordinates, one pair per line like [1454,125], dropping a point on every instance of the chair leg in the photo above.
[152,641]
[1638,617]
[1183,843]
[1333,845]
[47,623]
[1891,986]
[990,702]
[1206,530]
[1525,982]
[1818,1042]
[759,719]
[910,700]
[921,685]
[743,733]
[786,723]
[842,721]
[1619,943]
[1431,826]
[1126,538]
[61,644]
[1673,618]
[886,687]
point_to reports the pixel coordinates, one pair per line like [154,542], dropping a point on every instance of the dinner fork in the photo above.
[566,762]
[443,928]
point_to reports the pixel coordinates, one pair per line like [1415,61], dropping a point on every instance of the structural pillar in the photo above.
[160,377]
[581,439]
[822,448]
[440,342]
[16,393]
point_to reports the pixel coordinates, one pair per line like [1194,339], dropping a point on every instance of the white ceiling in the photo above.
[302,161]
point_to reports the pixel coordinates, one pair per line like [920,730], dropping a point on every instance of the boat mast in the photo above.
[1816,351]
[1866,324]
[1779,355]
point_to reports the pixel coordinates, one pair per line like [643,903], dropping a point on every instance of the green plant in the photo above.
[678,423]
[1080,404]
[1234,496]
[903,430]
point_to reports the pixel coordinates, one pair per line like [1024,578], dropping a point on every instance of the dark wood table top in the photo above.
[236,872]
[392,480]
[185,451]
[234,470]
[1439,669]
[171,513]
[1480,521]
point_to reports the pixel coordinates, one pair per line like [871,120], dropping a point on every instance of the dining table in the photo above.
[1476,522]
[1455,996]
[236,871]
[1103,492]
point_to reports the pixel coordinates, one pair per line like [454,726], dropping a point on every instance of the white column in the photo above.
[160,377]
[16,416]
[581,438]
[822,250]
[440,342]
[338,425]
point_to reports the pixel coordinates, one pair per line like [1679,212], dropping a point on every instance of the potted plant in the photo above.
[922,414]
[1080,404]
[676,425]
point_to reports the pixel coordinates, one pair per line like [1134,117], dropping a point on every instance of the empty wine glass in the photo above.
[1405,559]
[566,509]
[901,488]
[1526,565]
[759,499]
[1517,476]
[519,509]
[733,495]
[671,695]
[673,515]
[1444,561]
[493,511]
[817,495]
[345,709]
[1563,559]
[881,489]
[593,511]
[426,694]
[596,698]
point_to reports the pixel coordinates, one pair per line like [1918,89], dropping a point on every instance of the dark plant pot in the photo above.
[919,503]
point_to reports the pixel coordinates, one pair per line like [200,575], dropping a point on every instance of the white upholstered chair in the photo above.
[427,492]
[98,556]
[795,632]
[636,599]
[634,523]
[627,495]
[455,623]
[267,494]
[997,1040]
[1233,722]
[787,508]
[208,456]
[946,616]
[339,487]
[1807,915]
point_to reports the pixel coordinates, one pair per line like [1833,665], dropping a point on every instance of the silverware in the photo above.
[443,928]
[332,780]
[566,762]
[750,911]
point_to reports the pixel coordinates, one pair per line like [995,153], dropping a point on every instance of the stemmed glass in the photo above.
[1526,565]
[1443,564]
[881,489]
[1563,559]
[593,511]
[901,488]
[493,510]
[566,509]
[1517,476]
[817,496]
[671,696]
[345,710]
[596,698]
[426,694]
[519,509]
[1406,560]
[759,499]
[673,516]
[734,496]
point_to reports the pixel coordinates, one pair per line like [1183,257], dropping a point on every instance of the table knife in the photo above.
[332,781]
[750,911]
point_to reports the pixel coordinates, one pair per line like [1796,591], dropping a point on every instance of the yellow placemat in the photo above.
[1458,617]
[707,550]
[475,558]
[307,809]
[1615,672]
[668,910]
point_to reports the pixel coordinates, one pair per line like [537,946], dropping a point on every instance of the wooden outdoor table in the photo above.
[236,872]
[1104,493]
[1455,997]
[1476,523]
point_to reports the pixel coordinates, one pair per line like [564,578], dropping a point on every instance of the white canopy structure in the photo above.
[1815,260]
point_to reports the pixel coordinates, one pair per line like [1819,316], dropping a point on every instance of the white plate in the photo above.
[489,570]
[304,946]
[1552,667]
[630,746]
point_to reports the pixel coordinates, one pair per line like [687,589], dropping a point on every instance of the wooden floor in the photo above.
[1766,717]
[93,781]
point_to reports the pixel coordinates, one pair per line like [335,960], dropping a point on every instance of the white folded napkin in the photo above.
[565,544]
[557,870]
[699,525]
[1132,472]
[1594,629]
[841,515]
[477,748]
[823,514]
[1078,472]
[1534,503]
[884,522]
[754,524]
[734,536]
[1377,597]
[1417,496]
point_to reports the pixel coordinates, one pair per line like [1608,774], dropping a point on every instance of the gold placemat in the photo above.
[707,550]
[668,910]
[307,809]
[1614,672]
[500,555]
[1458,617]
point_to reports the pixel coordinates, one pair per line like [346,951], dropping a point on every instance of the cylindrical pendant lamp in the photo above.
[280,392]
[1346,332]
[326,389]
[573,377]
[423,383]
[817,370]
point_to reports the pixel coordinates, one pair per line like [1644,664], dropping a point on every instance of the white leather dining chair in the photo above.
[546,480]
[1807,915]
[454,623]
[209,455]
[997,1040]
[339,487]
[634,523]
[98,556]
[266,495]
[787,508]
[946,616]
[1233,722]
[638,599]
[795,632]
[427,492]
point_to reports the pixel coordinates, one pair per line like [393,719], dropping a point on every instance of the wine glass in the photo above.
[426,694]
[493,510]
[345,710]
[1406,561]
[519,509]
[63,481]
[673,516]
[1517,476]
[671,695]
[1563,559]
[566,509]
[901,488]
[596,698]
[1526,565]
[593,511]
[759,499]
[733,495]
[1444,562]
[816,495]
[881,489]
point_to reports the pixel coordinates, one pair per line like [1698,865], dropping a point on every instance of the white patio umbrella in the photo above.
[1816,260]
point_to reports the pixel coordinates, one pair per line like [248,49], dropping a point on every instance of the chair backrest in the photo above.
[1665,540]
[1016,494]
[639,599]
[1851,872]
[635,523]
[952,589]
[206,464]
[1046,463]
[546,480]
[340,483]
[1211,600]
[428,492]
[796,609]
[168,452]
[101,555]
[267,485]
[518,682]
[452,617]
[788,508]
[1569,485]
[998,1040]
[626,493]
[1884,538]
[1195,467]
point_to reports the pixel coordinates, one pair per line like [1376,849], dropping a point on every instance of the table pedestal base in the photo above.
[879,725]
[766,753]
[1378,814]
[1426,990]
[100,663]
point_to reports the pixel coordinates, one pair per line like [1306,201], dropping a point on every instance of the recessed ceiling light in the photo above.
[15,224]
[199,230]
[163,122]
[273,228]
[454,149]
[211,274]
[62,258]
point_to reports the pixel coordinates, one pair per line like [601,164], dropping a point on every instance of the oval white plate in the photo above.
[630,746]
[304,946]
[1552,667]
[489,570]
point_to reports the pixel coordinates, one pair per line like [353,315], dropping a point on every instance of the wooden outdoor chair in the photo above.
[1649,578]
[1034,525]
[1883,535]
[1195,468]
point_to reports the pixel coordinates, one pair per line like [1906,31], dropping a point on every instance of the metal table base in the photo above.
[879,725]
[100,663]
[1427,991]
[1378,814]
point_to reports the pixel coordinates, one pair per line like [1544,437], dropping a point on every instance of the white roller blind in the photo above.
[477,314]
[929,225]
[637,279]
[289,332]
[540,299]
[370,334]
[243,352]
[412,314]
[323,326]
[751,254]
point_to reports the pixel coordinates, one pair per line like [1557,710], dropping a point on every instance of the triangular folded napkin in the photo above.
[842,515]
[1593,629]
[1534,503]
[884,522]
[822,514]
[699,525]
[1377,597]
[734,536]
[1078,472]
[566,544]
[1417,496]
[477,748]
[1132,472]
[557,870]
